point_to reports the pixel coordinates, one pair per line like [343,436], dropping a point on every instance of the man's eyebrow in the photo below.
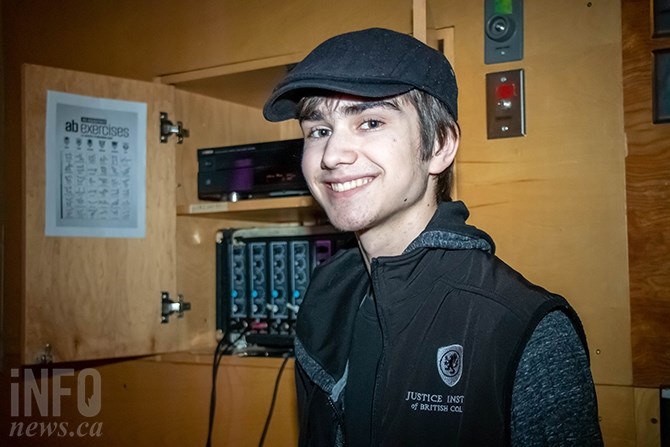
[355,109]
[314,115]
[350,109]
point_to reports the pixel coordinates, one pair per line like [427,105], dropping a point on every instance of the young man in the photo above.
[421,336]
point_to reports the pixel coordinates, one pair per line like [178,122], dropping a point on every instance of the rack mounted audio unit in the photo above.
[269,169]
[262,275]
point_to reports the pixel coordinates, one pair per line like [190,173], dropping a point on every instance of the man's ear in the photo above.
[443,155]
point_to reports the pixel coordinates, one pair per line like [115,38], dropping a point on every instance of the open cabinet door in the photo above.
[98,297]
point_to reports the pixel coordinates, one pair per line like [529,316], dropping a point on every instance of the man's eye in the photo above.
[319,133]
[371,124]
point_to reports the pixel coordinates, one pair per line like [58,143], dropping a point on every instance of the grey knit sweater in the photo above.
[552,400]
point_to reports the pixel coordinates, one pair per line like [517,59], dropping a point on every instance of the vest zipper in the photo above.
[340,423]
[379,378]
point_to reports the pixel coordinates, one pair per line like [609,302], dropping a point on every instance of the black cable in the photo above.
[287,356]
[219,351]
[221,347]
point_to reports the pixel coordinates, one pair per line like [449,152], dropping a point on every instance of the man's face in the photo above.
[362,164]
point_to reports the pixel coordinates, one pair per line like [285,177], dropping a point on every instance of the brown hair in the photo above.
[436,124]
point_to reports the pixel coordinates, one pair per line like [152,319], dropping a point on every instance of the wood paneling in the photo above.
[105,291]
[629,417]
[139,40]
[554,199]
[648,417]
[165,402]
[648,202]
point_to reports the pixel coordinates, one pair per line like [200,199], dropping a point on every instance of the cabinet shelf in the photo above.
[249,82]
[279,209]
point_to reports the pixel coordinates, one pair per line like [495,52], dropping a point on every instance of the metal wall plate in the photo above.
[505,104]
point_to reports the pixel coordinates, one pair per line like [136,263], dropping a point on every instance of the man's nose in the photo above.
[341,149]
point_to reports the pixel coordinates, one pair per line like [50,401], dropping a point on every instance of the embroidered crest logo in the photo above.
[450,363]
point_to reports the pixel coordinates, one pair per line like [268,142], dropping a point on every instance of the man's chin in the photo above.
[347,225]
[347,218]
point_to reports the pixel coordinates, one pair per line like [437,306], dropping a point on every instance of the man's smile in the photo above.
[351,184]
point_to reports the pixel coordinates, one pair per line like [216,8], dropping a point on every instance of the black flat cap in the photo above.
[372,63]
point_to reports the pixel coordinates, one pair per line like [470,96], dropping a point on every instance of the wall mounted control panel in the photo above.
[503,31]
[505,104]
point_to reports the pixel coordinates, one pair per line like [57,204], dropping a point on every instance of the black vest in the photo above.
[454,325]
[452,341]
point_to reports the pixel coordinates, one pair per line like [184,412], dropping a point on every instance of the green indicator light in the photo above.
[503,6]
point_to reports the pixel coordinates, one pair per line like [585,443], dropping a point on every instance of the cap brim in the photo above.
[282,103]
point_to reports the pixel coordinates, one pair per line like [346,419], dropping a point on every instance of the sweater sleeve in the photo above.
[553,398]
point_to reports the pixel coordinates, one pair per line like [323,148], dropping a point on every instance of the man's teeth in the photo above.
[346,186]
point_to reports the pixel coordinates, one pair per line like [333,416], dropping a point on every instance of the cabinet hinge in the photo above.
[167,129]
[169,307]
[45,357]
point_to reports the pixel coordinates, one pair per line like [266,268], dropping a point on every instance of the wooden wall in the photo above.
[554,201]
[648,201]
[162,401]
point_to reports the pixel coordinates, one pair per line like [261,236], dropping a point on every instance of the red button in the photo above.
[506,90]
